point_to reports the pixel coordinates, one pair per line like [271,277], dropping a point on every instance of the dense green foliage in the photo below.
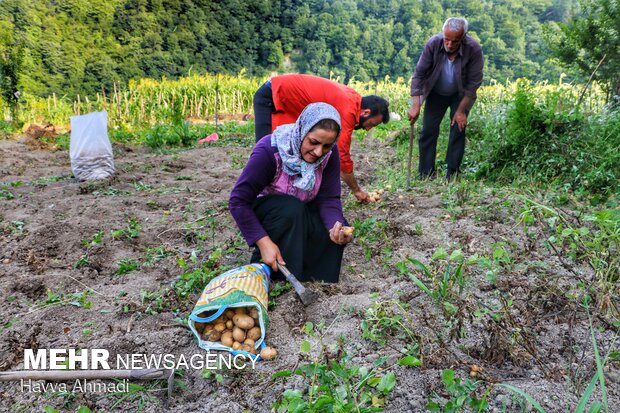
[589,38]
[84,46]
[546,138]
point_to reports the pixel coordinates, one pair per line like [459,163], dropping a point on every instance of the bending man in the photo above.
[447,76]
[280,101]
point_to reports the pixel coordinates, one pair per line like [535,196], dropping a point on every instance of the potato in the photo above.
[236,345]
[212,335]
[227,338]
[246,347]
[240,310]
[220,327]
[208,327]
[268,353]
[229,324]
[347,231]
[199,326]
[254,333]
[243,321]
[253,313]
[238,334]
[229,313]
[249,342]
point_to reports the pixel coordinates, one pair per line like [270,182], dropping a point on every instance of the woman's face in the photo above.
[316,144]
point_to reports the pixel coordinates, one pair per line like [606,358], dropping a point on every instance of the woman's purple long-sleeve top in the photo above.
[260,173]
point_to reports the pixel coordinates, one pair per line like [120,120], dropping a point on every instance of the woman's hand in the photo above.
[338,236]
[270,253]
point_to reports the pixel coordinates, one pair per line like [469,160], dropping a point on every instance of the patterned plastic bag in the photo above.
[245,286]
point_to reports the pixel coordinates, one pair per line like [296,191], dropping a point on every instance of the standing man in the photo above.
[282,99]
[447,76]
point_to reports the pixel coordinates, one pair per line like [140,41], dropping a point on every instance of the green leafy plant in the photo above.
[197,278]
[335,385]
[127,265]
[459,394]
[389,318]
[444,280]
[131,231]
[372,235]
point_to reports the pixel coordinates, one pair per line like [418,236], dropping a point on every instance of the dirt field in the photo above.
[94,265]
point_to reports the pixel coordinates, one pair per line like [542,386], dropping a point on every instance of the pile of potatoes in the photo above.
[236,328]
[375,196]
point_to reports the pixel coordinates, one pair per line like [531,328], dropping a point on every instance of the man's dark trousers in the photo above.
[263,108]
[434,111]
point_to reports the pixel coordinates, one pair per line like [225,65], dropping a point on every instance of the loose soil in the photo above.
[540,343]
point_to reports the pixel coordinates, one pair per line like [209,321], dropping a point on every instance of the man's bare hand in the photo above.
[362,196]
[414,113]
[460,118]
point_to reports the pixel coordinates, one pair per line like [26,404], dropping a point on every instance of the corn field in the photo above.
[204,97]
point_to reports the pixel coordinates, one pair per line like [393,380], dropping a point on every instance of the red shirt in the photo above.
[292,93]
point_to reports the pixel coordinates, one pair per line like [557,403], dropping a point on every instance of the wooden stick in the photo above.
[411,138]
[66,375]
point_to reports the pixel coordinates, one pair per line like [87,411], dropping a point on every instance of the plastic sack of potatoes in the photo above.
[90,148]
[231,313]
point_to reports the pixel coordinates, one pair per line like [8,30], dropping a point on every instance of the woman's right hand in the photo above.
[269,252]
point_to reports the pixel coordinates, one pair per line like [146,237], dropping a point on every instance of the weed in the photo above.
[388,318]
[156,137]
[6,194]
[277,289]
[127,265]
[155,301]
[81,299]
[110,192]
[335,385]
[131,231]
[155,254]
[595,241]
[185,136]
[445,278]
[196,279]
[372,235]
[96,240]
[460,393]
[83,261]
[237,160]
[45,180]
[141,187]
[418,229]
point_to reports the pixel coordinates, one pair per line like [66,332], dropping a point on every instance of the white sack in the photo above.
[90,150]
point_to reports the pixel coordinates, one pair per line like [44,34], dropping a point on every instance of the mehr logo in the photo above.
[63,359]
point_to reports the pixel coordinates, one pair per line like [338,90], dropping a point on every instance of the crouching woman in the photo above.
[287,200]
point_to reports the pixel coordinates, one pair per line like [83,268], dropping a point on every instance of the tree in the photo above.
[11,60]
[591,34]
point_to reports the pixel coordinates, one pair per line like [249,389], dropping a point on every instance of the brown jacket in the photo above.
[468,63]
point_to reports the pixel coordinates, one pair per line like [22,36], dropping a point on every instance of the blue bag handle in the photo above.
[194,317]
